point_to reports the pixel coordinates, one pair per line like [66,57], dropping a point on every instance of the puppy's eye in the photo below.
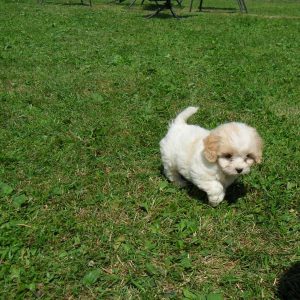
[250,156]
[227,155]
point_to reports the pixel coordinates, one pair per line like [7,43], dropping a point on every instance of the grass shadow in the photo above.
[196,194]
[166,14]
[219,9]
[233,193]
[75,4]
[152,7]
[65,4]
[289,283]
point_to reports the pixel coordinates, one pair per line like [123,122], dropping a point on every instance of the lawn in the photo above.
[86,95]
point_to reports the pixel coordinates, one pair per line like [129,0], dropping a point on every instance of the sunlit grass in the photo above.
[86,94]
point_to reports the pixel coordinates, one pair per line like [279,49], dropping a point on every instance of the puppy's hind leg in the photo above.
[174,176]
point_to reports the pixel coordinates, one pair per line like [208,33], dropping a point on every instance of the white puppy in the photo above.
[211,160]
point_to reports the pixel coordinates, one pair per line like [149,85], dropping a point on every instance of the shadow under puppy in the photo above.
[211,160]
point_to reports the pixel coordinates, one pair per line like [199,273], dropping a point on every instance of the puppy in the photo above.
[211,160]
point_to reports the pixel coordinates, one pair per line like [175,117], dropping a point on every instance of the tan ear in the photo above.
[211,147]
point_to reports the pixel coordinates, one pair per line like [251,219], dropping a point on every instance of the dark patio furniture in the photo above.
[241,3]
[160,8]
[132,2]
[166,5]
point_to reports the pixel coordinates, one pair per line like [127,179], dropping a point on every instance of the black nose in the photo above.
[239,170]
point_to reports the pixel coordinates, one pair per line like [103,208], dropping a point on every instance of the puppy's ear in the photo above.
[259,149]
[211,147]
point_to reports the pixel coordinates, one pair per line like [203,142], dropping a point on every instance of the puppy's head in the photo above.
[234,146]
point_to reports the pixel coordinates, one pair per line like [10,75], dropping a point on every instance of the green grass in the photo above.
[86,94]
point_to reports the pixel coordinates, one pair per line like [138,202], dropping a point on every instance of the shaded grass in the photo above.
[86,95]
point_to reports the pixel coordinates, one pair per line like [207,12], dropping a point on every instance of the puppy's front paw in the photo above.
[215,200]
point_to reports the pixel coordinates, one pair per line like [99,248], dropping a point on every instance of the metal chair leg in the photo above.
[179,2]
[191,5]
[173,13]
[200,5]
[240,5]
[132,2]
[244,6]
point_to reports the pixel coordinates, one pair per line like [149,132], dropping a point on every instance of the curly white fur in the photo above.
[211,160]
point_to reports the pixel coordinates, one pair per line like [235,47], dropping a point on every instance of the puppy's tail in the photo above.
[184,115]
